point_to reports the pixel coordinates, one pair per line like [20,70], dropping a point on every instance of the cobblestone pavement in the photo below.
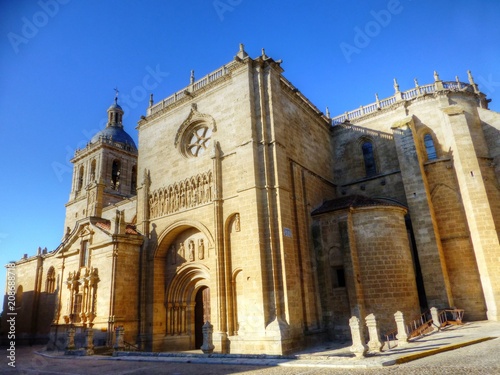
[479,358]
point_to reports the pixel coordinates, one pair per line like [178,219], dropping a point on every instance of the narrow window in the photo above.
[80,179]
[92,170]
[133,183]
[50,283]
[369,158]
[115,175]
[84,255]
[338,277]
[429,147]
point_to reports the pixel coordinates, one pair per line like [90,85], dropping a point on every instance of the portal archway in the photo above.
[183,264]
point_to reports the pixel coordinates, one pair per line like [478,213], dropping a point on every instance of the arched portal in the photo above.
[183,266]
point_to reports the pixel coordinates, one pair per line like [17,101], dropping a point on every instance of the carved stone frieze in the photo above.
[189,193]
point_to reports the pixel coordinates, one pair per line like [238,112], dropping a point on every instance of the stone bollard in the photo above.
[402,336]
[374,345]
[119,345]
[89,347]
[208,346]
[358,346]
[436,324]
[71,339]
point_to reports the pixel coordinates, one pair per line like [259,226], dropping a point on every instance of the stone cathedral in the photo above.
[244,205]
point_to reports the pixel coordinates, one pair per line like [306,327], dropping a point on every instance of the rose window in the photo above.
[198,140]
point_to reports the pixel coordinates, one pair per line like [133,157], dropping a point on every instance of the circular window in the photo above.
[198,140]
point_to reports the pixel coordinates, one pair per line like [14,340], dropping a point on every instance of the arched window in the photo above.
[92,170]
[133,182]
[429,147]
[369,158]
[50,282]
[115,175]
[80,179]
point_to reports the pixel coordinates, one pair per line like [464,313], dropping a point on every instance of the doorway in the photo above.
[201,314]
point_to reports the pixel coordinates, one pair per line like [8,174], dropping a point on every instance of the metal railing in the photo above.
[424,324]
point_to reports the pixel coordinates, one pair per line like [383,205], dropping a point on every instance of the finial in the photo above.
[192,77]
[472,83]
[396,86]
[241,53]
[436,76]
[116,95]
[327,112]
[264,54]
[376,97]
[456,79]
[151,100]
[471,80]
[416,82]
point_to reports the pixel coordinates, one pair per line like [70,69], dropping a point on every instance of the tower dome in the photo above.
[114,131]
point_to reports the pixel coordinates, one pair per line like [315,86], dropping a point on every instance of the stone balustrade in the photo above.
[411,94]
[193,87]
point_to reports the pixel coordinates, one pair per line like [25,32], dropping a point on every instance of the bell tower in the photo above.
[104,172]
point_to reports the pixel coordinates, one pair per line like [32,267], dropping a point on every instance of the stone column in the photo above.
[71,339]
[435,319]
[374,345]
[119,345]
[358,346]
[89,347]
[208,346]
[402,336]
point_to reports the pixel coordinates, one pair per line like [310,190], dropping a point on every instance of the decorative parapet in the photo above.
[186,194]
[210,78]
[417,91]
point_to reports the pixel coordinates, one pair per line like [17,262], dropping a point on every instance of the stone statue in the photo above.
[191,250]
[201,249]
[182,250]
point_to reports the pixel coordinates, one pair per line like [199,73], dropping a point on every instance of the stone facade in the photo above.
[245,206]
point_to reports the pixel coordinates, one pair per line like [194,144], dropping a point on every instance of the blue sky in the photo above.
[61,59]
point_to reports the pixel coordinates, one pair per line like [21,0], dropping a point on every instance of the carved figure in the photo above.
[201,249]
[191,250]
[182,250]
[237,226]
